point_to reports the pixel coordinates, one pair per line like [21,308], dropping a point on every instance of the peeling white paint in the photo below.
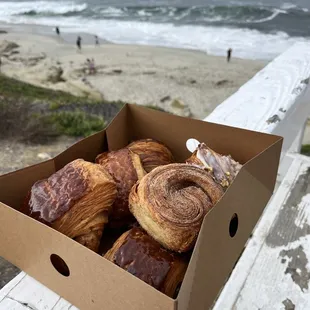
[259,280]
[304,213]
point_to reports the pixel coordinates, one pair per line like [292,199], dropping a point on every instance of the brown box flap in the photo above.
[174,131]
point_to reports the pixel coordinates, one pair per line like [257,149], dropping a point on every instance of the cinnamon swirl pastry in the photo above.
[171,201]
[126,169]
[138,253]
[222,168]
[152,153]
[75,201]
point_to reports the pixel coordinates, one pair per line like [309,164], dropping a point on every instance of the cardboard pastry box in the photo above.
[92,282]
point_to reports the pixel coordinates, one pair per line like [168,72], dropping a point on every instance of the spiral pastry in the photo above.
[171,201]
[152,153]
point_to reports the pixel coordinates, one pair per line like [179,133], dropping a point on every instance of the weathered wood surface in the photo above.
[277,101]
[273,271]
[24,292]
[274,101]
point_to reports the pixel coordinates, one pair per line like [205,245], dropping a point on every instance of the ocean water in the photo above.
[253,29]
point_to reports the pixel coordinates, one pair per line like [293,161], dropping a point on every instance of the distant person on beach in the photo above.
[57,31]
[92,66]
[229,55]
[96,40]
[78,42]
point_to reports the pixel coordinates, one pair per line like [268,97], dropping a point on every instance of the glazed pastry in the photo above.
[152,153]
[138,253]
[171,201]
[222,168]
[75,201]
[126,169]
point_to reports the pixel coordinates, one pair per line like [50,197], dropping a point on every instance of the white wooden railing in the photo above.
[276,100]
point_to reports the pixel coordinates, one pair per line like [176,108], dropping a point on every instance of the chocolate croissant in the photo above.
[152,153]
[75,201]
[171,201]
[126,169]
[222,168]
[138,253]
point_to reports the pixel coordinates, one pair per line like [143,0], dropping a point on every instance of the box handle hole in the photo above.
[233,225]
[60,265]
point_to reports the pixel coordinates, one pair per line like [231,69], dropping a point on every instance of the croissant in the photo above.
[125,167]
[75,201]
[138,253]
[171,201]
[222,168]
[152,153]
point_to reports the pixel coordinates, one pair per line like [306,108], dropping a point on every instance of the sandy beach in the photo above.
[185,82]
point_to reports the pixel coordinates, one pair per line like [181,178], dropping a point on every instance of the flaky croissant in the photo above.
[222,168]
[126,169]
[75,201]
[139,254]
[152,153]
[171,201]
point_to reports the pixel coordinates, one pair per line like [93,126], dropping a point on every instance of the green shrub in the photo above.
[12,88]
[17,120]
[54,106]
[77,123]
[35,114]
[305,149]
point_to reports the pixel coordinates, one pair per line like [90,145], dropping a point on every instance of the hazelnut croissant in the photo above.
[222,168]
[126,169]
[171,201]
[152,153]
[75,201]
[138,253]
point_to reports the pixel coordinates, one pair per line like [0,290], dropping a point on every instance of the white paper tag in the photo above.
[192,144]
